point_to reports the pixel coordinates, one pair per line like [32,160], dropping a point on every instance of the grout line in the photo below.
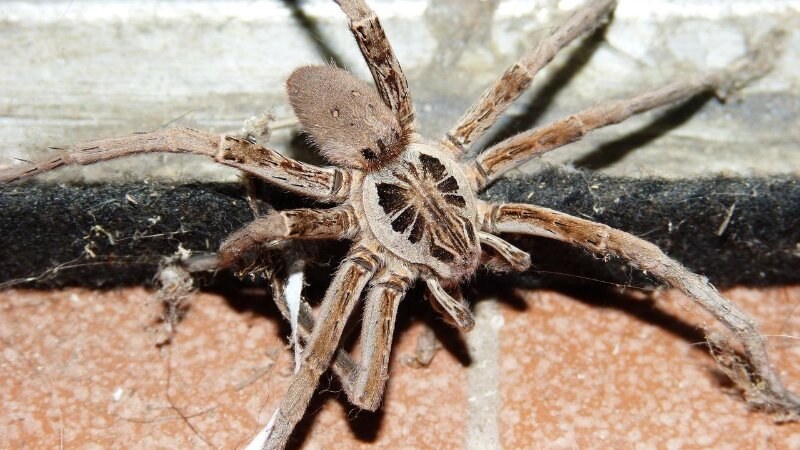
[483,378]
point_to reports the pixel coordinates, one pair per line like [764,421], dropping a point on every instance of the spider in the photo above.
[409,204]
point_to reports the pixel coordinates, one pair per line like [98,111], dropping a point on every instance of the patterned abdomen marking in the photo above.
[421,209]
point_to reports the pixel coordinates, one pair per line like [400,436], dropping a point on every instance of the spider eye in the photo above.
[368,154]
[345,117]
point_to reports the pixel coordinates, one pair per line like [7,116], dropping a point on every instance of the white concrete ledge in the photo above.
[73,71]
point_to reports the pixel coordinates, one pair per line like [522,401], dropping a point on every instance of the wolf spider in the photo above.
[410,204]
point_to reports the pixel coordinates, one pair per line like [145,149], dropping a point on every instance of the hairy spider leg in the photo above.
[492,163]
[518,77]
[605,242]
[329,184]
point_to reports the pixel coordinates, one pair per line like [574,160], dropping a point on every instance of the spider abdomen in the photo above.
[422,209]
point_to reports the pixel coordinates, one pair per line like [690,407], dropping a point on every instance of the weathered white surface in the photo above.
[73,71]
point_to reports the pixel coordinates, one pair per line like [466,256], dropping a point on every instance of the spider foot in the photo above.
[753,65]
[427,347]
[176,283]
[760,393]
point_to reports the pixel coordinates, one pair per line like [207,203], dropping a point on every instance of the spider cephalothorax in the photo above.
[410,205]
[407,202]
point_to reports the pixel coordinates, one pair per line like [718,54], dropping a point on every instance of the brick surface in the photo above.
[82,367]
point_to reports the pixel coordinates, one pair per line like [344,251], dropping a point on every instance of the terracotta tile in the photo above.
[632,374]
[618,373]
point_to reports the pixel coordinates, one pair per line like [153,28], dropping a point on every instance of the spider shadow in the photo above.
[254,298]
[542,97]
[257,300]
[647,311]
[579,275]
[644,310]
[366,425]
[416,308]
[499,287]
[315,36]
[591,282]
[611,152]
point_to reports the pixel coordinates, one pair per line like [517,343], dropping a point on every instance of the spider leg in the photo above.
[333,223]
[516,79]
[508,257]
[363,382]
[455,308]
[606,241]
[516,150]
[324,184]
[365,385]
[381,60]
[340,299]
[343,364]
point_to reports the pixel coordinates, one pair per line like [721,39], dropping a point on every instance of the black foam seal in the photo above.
[735,230]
